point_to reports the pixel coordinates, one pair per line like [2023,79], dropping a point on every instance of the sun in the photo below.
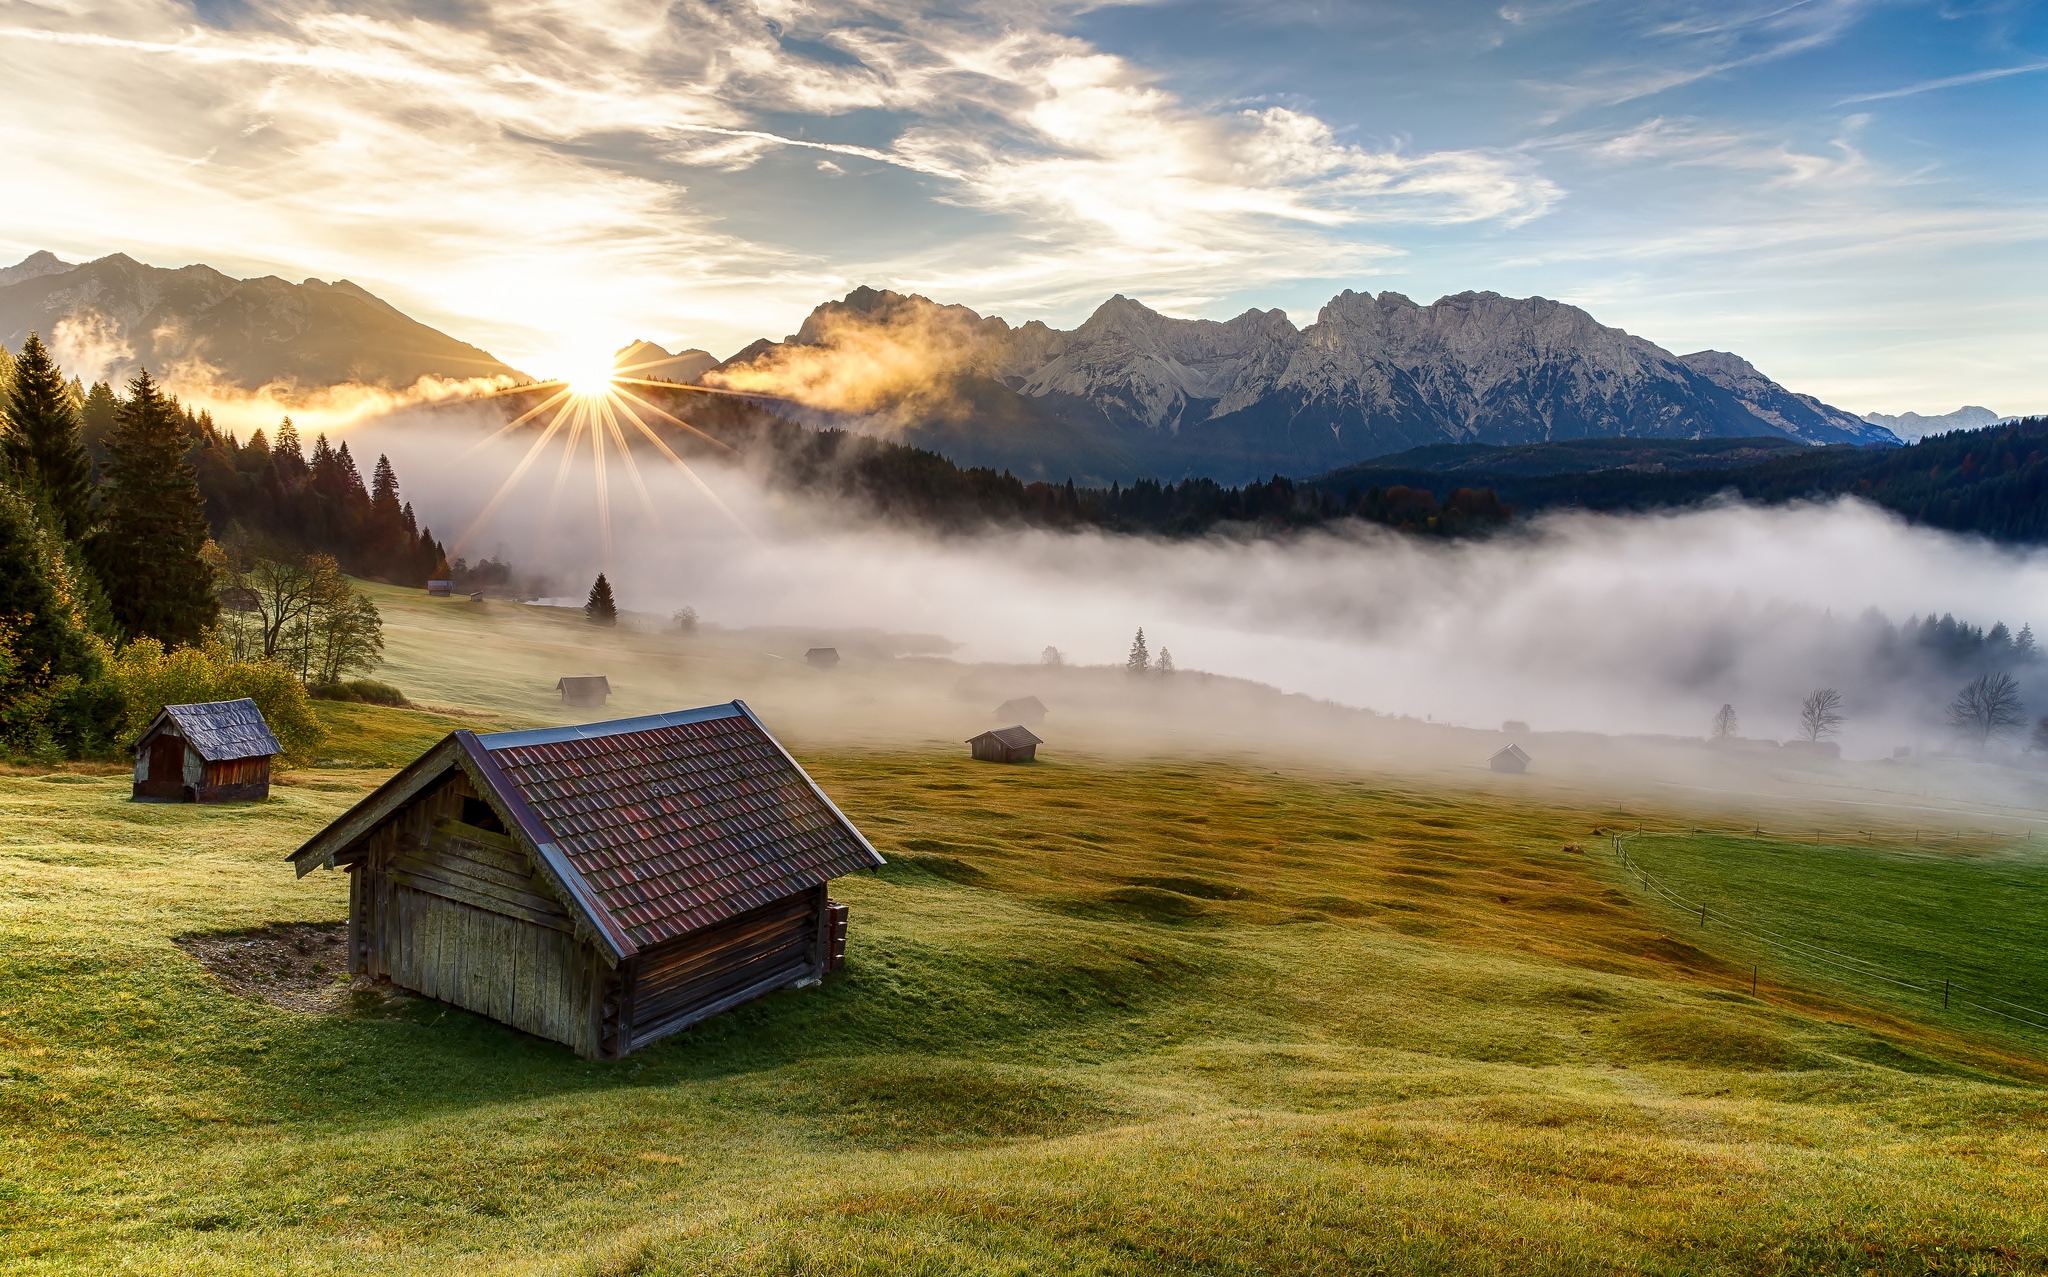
[589,376]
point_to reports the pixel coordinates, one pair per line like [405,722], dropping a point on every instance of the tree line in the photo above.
[1988,705]
[1992,482]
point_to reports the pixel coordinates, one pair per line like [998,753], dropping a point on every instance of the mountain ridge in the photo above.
[1230,399]
[198,326]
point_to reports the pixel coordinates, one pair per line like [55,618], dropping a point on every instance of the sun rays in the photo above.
[593,409]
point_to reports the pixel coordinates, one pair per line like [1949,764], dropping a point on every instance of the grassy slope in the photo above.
[1098,1017]
[1972,913]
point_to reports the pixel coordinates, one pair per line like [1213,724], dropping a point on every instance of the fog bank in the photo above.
[1579,622]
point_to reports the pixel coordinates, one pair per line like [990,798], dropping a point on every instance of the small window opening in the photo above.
[475,811]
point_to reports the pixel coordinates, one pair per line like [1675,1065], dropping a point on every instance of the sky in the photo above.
[1853,194]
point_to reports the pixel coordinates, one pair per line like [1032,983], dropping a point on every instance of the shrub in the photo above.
[367,691]
[149,678]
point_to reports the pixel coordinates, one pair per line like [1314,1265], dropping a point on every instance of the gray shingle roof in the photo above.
[221,730]
[1014,737]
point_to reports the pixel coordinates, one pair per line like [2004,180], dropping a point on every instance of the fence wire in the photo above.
[1820,953]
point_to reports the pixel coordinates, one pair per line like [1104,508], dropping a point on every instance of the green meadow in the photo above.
[1108,1014]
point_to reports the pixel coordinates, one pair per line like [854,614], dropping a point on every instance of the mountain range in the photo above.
[1132,392]
[1911,425]
[1128,393]
[198,327]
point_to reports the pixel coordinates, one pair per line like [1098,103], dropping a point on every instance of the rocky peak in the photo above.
[36,265]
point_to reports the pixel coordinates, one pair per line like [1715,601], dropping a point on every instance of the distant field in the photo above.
[1887,920]
[1100,1016]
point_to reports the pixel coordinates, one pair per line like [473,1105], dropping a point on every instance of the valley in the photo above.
[1321,995]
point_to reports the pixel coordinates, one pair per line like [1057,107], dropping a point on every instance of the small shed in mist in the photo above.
[603,886]
[1006,745]
[1511,759]
[216,752]
[822,658]
[1025,709]
[583,689]
[441,588]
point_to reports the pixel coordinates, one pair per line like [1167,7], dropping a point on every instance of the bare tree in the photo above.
[1051,656]
[685,620]
[1165,661]
[1820,714]
[1725,722]
[283,591]
[2041,735]
[1987,706]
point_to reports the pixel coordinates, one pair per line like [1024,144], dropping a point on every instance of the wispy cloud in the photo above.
[526,172]
[1946,82]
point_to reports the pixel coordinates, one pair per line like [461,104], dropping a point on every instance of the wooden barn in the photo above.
[1513,758]
[604,885]
[1025,709]
[1006,745]
[218,752]
[583,689]
[822,658]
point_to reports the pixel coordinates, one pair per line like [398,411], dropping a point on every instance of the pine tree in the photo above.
[44,440]
[1139,660]
[97,415]
[384,486]
[47,641]
[147,551]
[601,610]
[288,454]
[1725,722]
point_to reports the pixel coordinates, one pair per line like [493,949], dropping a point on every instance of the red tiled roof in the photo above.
[680,824]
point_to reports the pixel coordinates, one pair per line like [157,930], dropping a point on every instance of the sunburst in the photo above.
[594,400]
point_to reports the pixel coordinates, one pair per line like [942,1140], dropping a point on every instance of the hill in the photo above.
[1993,482]
[1115,1013]
[1254,395]
[195,326]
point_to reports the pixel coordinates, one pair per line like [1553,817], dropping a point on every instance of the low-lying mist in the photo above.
[1577,622]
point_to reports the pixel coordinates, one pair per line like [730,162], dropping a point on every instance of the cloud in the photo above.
[1947,82]
[522,172]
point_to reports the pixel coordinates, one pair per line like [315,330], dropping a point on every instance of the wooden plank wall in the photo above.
[691,977]
[455,912]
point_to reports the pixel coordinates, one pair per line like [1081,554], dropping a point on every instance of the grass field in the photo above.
[1889,924]
[1101,1015]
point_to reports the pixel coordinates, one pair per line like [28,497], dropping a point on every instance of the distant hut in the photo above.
[583,689]
[441,588]
[1006,745]
[217,752]
[822,658]
[603,886]
[1511,759]
[1025,709]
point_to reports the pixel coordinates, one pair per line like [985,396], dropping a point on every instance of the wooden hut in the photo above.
[1511,759]
[217,752]
[603,886]
[583,689]
[822,658]
[1006,745]
[441,589]
[1025,709]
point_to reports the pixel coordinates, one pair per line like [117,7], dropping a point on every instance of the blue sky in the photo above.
[1849,193]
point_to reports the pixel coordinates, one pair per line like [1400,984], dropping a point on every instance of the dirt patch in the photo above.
[299,966]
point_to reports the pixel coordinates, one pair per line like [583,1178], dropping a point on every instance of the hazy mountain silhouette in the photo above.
[197,325]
